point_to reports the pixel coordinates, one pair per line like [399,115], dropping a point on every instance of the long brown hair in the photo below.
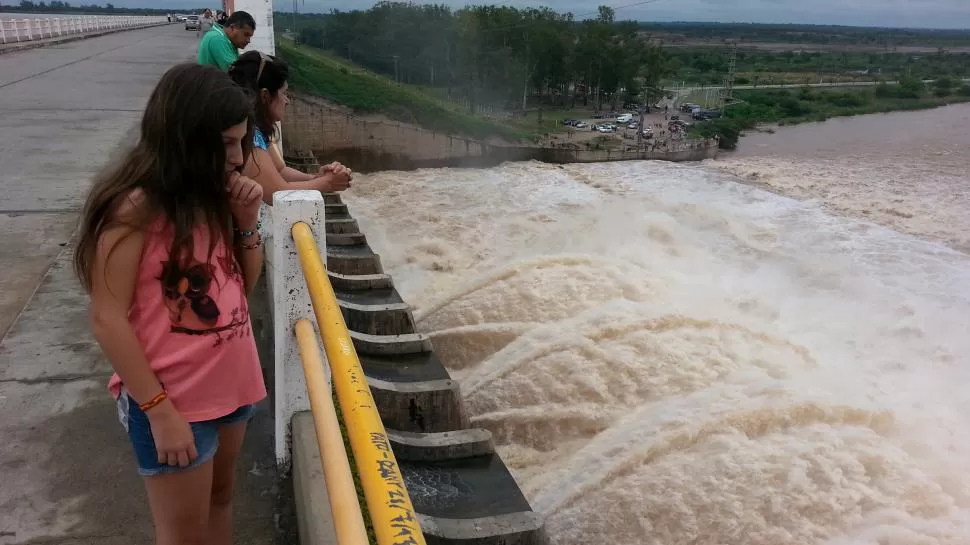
[178,165]
[256,71]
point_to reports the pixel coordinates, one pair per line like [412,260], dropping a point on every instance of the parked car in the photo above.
[192,22]
[569,122]
[580,125]
[633,125]
[625,118]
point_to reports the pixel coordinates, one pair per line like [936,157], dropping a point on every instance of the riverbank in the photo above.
[792,107]
[375,143]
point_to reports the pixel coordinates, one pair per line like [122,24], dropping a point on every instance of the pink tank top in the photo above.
[193,324]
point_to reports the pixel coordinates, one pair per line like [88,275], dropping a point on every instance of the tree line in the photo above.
[785,106]
[498,55]
[708,65]
[808,34]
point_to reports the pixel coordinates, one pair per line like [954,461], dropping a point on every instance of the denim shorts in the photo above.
[206,436]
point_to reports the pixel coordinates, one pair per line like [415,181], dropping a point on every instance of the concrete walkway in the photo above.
[67,475]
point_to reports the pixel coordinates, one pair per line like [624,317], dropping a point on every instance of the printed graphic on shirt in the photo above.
[191,294]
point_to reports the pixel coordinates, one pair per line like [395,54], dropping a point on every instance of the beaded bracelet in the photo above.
[253,245]
[259,225]
[153,402]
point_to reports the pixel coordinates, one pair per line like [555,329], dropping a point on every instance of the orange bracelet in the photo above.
[153,402]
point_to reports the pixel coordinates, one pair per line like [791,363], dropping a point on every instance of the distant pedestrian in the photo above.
[220,46]
[206,20]
[169,253]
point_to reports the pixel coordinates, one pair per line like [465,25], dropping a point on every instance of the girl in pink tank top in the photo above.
[169,249]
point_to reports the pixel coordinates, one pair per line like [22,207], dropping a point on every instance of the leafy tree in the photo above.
[496,55]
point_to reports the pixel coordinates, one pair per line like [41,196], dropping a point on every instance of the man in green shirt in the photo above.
[220,46]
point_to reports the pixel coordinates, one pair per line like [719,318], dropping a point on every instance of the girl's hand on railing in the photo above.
[337,168]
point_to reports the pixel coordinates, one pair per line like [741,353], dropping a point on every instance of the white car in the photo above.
[625,118]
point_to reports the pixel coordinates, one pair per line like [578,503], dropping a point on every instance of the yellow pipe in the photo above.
[388,501]
[347,519]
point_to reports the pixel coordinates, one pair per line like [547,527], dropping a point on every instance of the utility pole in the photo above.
[396,76]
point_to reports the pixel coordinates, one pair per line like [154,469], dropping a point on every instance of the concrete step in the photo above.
[336,211]
[441,446]
[358,259]
[342,227]
[349,239]
[470,501]
[332,198]
[388,345]
[376,312]
[348,282]
[414,392]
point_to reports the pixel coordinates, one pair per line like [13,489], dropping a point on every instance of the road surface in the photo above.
[66,471]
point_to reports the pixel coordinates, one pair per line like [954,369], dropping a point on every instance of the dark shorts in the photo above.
[140,433]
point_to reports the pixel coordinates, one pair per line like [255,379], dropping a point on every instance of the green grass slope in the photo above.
[318,73]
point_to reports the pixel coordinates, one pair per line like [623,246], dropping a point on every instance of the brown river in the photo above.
[770,348]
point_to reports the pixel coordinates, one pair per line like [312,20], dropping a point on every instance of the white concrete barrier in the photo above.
[26,30]
[290,301]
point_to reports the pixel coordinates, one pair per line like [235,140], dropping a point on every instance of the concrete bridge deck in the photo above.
[66,472]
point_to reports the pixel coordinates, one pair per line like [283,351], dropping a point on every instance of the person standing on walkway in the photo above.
[169,251]
[206,20]
[265,76]
[220,46]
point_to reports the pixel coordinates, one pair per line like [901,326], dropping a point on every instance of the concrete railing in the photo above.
[25,30]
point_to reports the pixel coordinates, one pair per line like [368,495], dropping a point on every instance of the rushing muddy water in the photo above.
[667,355]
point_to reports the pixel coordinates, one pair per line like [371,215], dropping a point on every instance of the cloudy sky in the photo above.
[893,13]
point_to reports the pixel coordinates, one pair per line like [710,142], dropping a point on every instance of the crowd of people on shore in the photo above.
[169,250]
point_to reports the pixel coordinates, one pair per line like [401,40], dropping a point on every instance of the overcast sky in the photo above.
[893,13]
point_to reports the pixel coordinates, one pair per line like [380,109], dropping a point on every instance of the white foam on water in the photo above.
[667,356]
